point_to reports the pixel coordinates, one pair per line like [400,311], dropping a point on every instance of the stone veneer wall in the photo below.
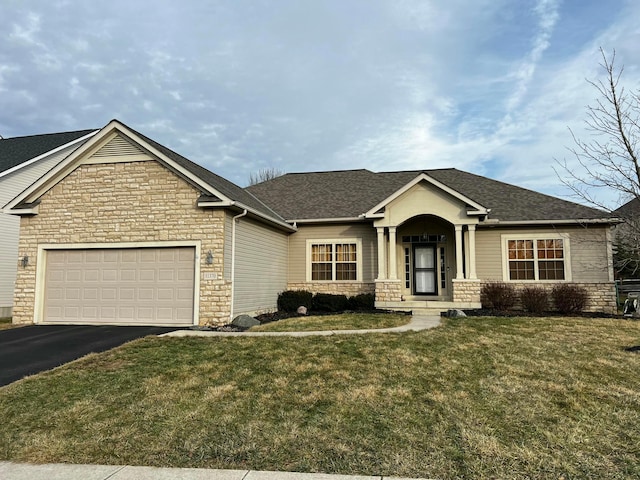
[124,202]
[466,291]
[388,291]
[601,296]
[349,289]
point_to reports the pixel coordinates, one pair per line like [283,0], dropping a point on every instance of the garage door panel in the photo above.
[91,274]
[124,286]
[146,294]
[90,313]
[147,275]
[130,256]
[73,275]
[127,294]
[128,275]
[110,256]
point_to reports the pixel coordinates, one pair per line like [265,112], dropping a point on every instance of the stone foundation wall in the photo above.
[388,291]
[466,291]
[349,289]
[125,202]
[601,296]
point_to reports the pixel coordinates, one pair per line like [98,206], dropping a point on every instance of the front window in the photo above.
[333,260]
[536,258]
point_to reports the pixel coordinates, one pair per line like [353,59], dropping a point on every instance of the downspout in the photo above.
[233,259]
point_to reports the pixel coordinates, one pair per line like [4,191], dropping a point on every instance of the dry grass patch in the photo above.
[474,398]
[6,323]
[343,321]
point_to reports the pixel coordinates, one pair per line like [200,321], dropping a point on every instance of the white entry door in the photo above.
[424,267]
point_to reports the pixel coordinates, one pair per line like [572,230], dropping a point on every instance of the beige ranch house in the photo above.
[125,231]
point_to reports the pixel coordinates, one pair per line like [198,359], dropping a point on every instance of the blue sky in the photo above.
[487,86]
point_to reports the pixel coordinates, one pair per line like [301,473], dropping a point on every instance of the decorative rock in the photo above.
[453,313]
[245,321]
[302,310]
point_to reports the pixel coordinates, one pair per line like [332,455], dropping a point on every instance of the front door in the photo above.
[424,270]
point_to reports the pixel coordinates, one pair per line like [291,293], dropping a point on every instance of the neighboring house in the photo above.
[126,231]
[22,161]
[626,240]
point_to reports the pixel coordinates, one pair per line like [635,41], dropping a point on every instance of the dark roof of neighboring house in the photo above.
[222,185]
[17,150]
[350,193]
[631,209]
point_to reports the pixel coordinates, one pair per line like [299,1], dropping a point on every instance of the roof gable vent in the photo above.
[118,146]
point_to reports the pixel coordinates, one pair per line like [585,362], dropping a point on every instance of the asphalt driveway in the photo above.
[36,348]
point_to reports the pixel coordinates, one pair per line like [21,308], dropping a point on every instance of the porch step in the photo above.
[427,312]
[428,307]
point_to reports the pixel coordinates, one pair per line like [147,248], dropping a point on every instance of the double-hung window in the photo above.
[334,260]
[536,257]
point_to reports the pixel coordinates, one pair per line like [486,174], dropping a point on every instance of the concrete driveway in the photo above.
[36,348]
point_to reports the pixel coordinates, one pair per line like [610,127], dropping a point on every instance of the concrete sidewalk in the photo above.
[63,471]
[416,323]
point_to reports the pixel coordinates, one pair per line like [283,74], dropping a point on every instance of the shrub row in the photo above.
[290,300]
[566,298]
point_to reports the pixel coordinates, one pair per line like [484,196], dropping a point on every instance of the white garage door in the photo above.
[132,286]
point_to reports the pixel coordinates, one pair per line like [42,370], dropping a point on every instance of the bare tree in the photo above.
[609,159]
[264,174]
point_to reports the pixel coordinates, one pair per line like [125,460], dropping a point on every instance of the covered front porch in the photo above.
[426,245]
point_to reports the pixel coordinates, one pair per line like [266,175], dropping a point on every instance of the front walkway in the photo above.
[417,323]
[26,471]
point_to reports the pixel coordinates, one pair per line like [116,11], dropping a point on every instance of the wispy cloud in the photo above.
[488,86]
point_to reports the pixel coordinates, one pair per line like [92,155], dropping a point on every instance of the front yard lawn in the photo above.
[475,398]
[345,321]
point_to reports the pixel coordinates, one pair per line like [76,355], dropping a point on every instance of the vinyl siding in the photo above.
[10,186]
[298,245]
[588,251]
[261,266]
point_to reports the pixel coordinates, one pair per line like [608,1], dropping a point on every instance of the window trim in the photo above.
[536,236]
[334,241]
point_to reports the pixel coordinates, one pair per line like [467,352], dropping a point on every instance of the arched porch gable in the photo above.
[457,217]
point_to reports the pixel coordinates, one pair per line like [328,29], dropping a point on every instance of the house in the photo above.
[127,231]
[22,161]
[626,239]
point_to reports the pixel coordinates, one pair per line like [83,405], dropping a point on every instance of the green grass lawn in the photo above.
[347,321]
[474,398]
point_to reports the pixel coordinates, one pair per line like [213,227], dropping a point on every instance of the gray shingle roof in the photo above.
[629,210]
[353,192]
[17,150]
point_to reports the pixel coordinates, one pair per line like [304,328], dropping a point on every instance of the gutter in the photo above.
[578,221]
[233,259]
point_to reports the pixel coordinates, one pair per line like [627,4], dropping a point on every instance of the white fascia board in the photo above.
[206,203]
[330,220]
[575,221]
[282,224]
[479,209]
[48,154]
[21,211]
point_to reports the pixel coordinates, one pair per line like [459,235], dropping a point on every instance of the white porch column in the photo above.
[459,255]
[393,269]
[472,251]
[382,262]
